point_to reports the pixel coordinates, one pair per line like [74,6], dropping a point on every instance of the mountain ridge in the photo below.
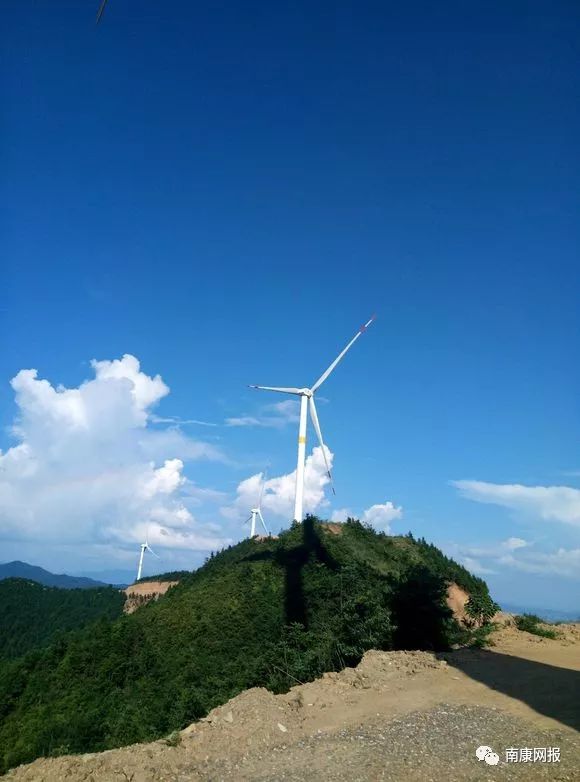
[263,613]
[19,569]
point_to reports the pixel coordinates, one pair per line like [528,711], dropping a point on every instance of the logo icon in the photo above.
[487,754]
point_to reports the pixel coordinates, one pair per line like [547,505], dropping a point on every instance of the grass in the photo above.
[174,739]
[530,623]
[481,636]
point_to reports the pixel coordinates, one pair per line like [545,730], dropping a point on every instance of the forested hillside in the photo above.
[32,615]
[260,613]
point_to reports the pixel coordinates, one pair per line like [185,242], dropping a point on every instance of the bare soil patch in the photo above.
[143,592]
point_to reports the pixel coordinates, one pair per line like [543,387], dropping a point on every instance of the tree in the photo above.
[481,608]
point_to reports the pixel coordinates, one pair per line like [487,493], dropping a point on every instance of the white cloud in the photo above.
[549,503]
[145,390]
[244,420]
[198,495]
[380,516]
[289,409]
[155,443]
[496,550]
[341,514]
[475,566]
[157,419]
[562,562]
[278,496]
[275,416]
[518,554]
[514,543]
[164,480]
[89,469]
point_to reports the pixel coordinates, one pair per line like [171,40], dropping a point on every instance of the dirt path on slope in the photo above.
[410,716]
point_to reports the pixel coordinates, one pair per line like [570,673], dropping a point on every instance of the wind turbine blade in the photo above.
[263,522]
[340,356]
[314,416]
[100,11]
[151,550]
[247,521]
[296,391]
[264,474]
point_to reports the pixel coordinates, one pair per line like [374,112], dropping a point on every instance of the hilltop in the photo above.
[263,613]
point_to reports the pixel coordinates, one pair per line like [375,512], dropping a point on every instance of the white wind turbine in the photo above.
[256,513]
[307,401]
[145,547]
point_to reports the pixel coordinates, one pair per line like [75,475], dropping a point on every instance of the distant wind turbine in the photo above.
[307,401]
[256,513]
[145,547]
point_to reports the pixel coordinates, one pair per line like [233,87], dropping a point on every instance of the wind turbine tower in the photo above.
[144,547]
[307,404]
[256,513]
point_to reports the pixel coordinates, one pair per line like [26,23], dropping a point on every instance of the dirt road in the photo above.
[410,716]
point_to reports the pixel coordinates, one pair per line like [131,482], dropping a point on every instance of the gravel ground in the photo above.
[427,746]
[399,716]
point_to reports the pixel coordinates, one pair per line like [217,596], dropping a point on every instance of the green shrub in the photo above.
[480,637]
[174,739]
[530,623]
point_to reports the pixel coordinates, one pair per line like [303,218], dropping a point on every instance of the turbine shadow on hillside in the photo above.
[418,615]
[292,562]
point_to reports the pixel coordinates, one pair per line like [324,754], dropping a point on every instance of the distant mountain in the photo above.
[19,569]
[121,578]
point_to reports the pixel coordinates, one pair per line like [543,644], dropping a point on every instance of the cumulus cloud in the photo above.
[164,480]
[146,391]
[278,495]
[549,503]
[380,516]
[341,514]
[87,466]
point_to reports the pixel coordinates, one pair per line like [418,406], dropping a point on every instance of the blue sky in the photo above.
[225,193]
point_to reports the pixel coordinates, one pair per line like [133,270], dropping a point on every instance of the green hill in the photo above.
[33,615]
[263,613]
